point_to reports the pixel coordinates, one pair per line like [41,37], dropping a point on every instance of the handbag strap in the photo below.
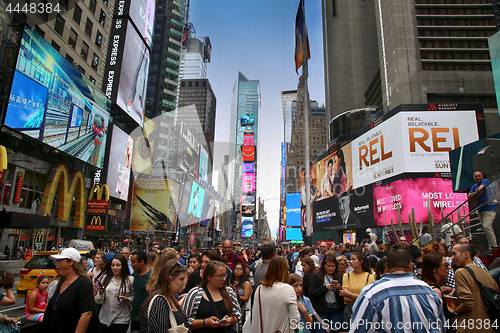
[151,303]
[260,311]
[468,269]
[217,313]
[173,322]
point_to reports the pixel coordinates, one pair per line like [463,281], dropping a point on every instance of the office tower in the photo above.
[195,55]
[201,123]
[350,54]
[243,139]
[165,58]
[77,30]
[295,150]
[289,105]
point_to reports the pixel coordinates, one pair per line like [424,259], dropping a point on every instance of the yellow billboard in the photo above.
[154,205]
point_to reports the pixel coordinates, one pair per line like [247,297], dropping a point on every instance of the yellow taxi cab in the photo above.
[41,263]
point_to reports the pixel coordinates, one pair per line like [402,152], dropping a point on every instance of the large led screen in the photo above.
[494,46]
[120,163]
[154,205]
[195,203]
[247,119]
[184,204]
[293,234]
[248,153]
[203,164]
[142,13]
[208,211]
[293,210]
[248,140]
[144,144]
[51,101]
[246,226]
[406,194]
[411,142]
[248,167]
[248,182]
[248,199]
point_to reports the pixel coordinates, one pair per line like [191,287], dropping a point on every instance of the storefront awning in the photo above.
[16,220]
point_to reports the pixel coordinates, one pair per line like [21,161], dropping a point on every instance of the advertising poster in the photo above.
[248,153]
[248,140]
[293,210]
[248,167]
[494,46]
[246,226]
[247,119]
[429,136]
[203,163]
[248,182]
[349,237]
[208,212]
[184,204]
[406,194]
[143,148]
[462,166]
[248,199]
[195,203]
[353,210]
[131,95]
[120,163]
[248,210]
[142,13]
[154,205]
[293,234]
[51,101]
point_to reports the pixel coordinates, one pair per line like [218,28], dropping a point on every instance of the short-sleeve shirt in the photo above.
[64,310]
[356,282]
[310,310]
[231,263]
[140,293]
[485,195]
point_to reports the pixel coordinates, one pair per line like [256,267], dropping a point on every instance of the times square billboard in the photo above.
[52,102]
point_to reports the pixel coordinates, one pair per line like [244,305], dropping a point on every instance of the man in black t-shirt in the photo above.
[141,277]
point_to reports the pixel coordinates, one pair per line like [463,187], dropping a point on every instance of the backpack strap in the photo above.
[468,269]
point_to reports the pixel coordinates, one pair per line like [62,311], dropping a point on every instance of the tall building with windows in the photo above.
[195,57]
[79,30]
[245,106]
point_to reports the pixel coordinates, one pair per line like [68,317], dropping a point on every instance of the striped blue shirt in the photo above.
[398,303]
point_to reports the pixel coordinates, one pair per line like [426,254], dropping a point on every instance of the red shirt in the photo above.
[231,263]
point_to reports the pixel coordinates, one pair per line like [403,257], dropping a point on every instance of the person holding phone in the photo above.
[115,293]
[324,293]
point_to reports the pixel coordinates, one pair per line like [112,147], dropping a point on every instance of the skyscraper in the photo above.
[195,56]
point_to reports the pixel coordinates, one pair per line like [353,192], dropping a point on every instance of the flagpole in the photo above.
[308,239]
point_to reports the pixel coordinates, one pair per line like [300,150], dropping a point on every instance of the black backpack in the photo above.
[491,299]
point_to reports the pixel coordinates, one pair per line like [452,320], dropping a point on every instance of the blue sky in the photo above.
[257,38]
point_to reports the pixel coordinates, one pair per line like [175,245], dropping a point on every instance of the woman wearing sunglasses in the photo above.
[212,307]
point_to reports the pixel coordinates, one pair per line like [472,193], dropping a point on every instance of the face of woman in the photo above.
[442,270]
[342,266]
[64,266]
[97,260]
[219,277]
[305,268]
[330,267]
[442,250]
[178,283]
[238,271]
[354,261]
[116,267]
[297,286]
[204,261]
[194,264]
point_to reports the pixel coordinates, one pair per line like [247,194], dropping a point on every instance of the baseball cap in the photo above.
[69,253]
[315,259]
[108,256]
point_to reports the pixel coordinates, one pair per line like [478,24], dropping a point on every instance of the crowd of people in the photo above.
[371,286]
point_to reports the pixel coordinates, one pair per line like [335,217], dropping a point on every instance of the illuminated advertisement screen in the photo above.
[248,182]
[248,140]
[349,238]
[184,204]
[143,150]
[248,167]
[246,226]
[462,166]
[248,199]
[142,13]
[208,211]
[217,220]
[51,101]
[293,234]
[494,46]
[248,210]
[248,153]
[203,164]
[188,159]
[247,119]
[293,210]
[154,205]
[413,193]
[195,203]
[119,163]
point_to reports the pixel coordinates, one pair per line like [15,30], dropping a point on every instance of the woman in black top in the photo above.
[156,309]
[195,278]
[309,268]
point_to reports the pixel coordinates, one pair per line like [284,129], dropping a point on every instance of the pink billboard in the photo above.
[413,193]
[248,182]
[247,139]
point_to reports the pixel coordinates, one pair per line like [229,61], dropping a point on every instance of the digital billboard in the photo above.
[248,210]
[248,153]
[195,203]
[411,142]
[203,163]
[409,193]
[51,101]
[293,210]
[462,166]
[494,47]
[142,13]
[247,119]
[217,220]
[154,205]
[349,237]
[143,148]
[248,140]
[248,182]
[246,226]
[248,199]
[293,234]
[120,163]
[184,204]
[248,167]
[208,211]
[352,210]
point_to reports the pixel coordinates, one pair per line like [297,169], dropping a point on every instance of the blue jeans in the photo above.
[332,317]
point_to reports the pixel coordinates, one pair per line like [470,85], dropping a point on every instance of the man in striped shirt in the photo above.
[398,302]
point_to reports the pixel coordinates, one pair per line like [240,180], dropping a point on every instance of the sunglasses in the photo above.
[172,269]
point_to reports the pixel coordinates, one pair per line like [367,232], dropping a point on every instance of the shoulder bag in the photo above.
[228,329]
[173,323]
